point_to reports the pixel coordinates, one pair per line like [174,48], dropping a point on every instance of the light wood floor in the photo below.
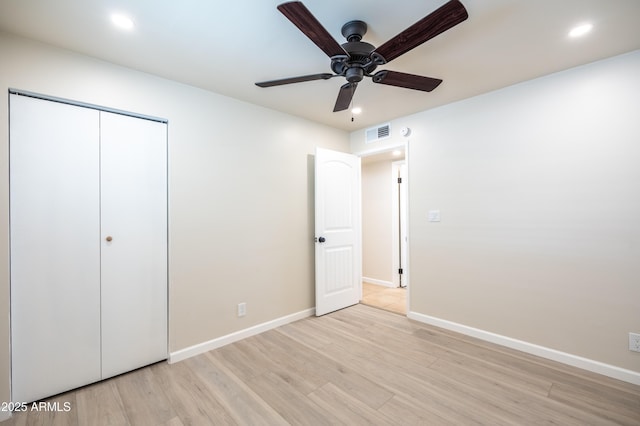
[387,298]
[357,366]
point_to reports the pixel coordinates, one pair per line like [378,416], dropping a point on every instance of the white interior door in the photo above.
[134,242]
[55,249]
[338,230]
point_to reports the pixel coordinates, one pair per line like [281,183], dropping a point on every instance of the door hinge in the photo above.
[400,271]
[399,180]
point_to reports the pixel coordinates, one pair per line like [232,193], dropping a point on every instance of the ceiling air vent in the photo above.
[375,134]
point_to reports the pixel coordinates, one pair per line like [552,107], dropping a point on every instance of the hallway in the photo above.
[387,298]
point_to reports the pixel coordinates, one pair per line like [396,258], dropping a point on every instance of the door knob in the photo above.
[321,240]
[109,238]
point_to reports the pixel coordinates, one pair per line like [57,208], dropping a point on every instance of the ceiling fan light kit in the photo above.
[356,59]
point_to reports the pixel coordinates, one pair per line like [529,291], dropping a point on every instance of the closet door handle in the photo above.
[109,238]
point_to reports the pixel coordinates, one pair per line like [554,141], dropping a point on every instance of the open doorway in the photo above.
[384,239]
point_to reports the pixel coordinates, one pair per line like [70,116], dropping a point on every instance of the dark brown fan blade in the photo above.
[300,79]
[344,96]
[437,22]
[300,16]
[409,81]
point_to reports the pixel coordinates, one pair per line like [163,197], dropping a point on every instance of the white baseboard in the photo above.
[378,282]
[203,347]
[533,349]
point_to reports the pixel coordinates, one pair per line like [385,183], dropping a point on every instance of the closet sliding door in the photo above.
[134,261]
[55,247]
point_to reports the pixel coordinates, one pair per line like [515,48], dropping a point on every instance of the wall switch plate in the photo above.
[634,342]
[433,215]
[242,309]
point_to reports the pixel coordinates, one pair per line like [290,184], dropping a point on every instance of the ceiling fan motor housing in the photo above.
[358,63]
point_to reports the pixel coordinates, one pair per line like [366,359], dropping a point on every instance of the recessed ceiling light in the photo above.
[356,110]
[122,21]
[580,30]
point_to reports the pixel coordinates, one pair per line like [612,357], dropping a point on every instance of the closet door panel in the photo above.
[55,247]
[134,242]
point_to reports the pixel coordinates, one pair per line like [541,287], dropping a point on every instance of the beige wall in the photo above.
[241,191]
[538,186]
[377,245]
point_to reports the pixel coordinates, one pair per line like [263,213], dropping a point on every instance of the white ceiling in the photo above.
[227,46]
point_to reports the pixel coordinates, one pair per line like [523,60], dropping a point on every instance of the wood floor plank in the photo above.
[520,363]
[611,408]
[424,370]
[416,412]
[371,393]
[513,378]
[308,330]
[399,353]
[175,422]
[189,396]
[585,377]
[100,404]
[360,314]
[346,409]
[143,402]
[520,403]
[383,340]
[306,372]
[269,356]
[485,354]
[296,408]
[313,340]
[245,358]
[243,403]
[437,398]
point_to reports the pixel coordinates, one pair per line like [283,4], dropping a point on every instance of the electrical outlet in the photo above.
[634,342]
[242,309]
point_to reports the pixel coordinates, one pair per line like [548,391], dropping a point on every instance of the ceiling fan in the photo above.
[357,59]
